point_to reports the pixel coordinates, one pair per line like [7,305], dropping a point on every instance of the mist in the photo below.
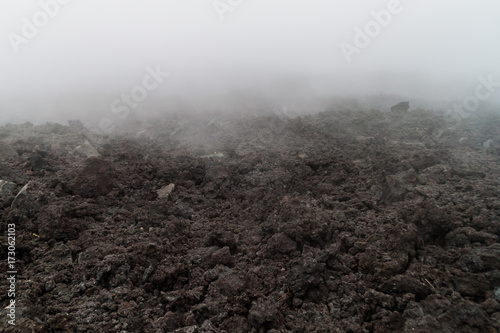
[65,60]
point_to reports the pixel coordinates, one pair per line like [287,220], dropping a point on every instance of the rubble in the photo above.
[341,221]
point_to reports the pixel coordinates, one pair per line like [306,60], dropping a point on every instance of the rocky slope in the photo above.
[337,222]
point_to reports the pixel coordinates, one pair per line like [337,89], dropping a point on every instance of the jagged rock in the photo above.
[471,284]
[402,284]
[87,150]
[400,107]
[487,143]
[53,128]
[6,188]
[380,228]
[222,256]
[5,171]
[76,125]
[281,243]
[21,195]
[96,179]
[466,235]
[261,312]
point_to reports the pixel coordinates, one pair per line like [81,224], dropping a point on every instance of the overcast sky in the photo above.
[105,45]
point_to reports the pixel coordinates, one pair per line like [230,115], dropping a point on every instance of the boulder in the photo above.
[97,178]
[400,107]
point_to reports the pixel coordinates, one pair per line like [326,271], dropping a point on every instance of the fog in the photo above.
[66,59]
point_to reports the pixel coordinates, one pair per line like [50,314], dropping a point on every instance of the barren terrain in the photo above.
[335,222]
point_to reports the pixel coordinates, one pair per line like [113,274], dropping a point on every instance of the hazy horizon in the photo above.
[283,51]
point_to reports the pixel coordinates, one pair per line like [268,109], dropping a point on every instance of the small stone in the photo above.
[87,150]
[165,191]
[50,285]
[6,188]
[497,294]
[262,311]
[21,195]
[487,144]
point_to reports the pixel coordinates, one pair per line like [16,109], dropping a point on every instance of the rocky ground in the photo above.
[335,222]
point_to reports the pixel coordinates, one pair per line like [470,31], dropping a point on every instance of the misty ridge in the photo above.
[240,57]
[298,95]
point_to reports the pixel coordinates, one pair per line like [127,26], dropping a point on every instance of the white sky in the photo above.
[106,44]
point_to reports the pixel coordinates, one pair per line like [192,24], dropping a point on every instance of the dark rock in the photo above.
[281,243]
[261,312]
[60,229]
[402,284]
[5,171]
[467,313]
[222,256]
[470,263]
[30,199]
[54,128]
[345,222]
[96,179]
[467,235]
[472,285]
[76,125]
[170,321]
[127,309]
[229,284]
[400,107]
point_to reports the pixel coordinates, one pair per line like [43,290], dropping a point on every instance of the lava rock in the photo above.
[6,188]
[281,243]
[96,179]
[262,311]
[402,284]
[400,107]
